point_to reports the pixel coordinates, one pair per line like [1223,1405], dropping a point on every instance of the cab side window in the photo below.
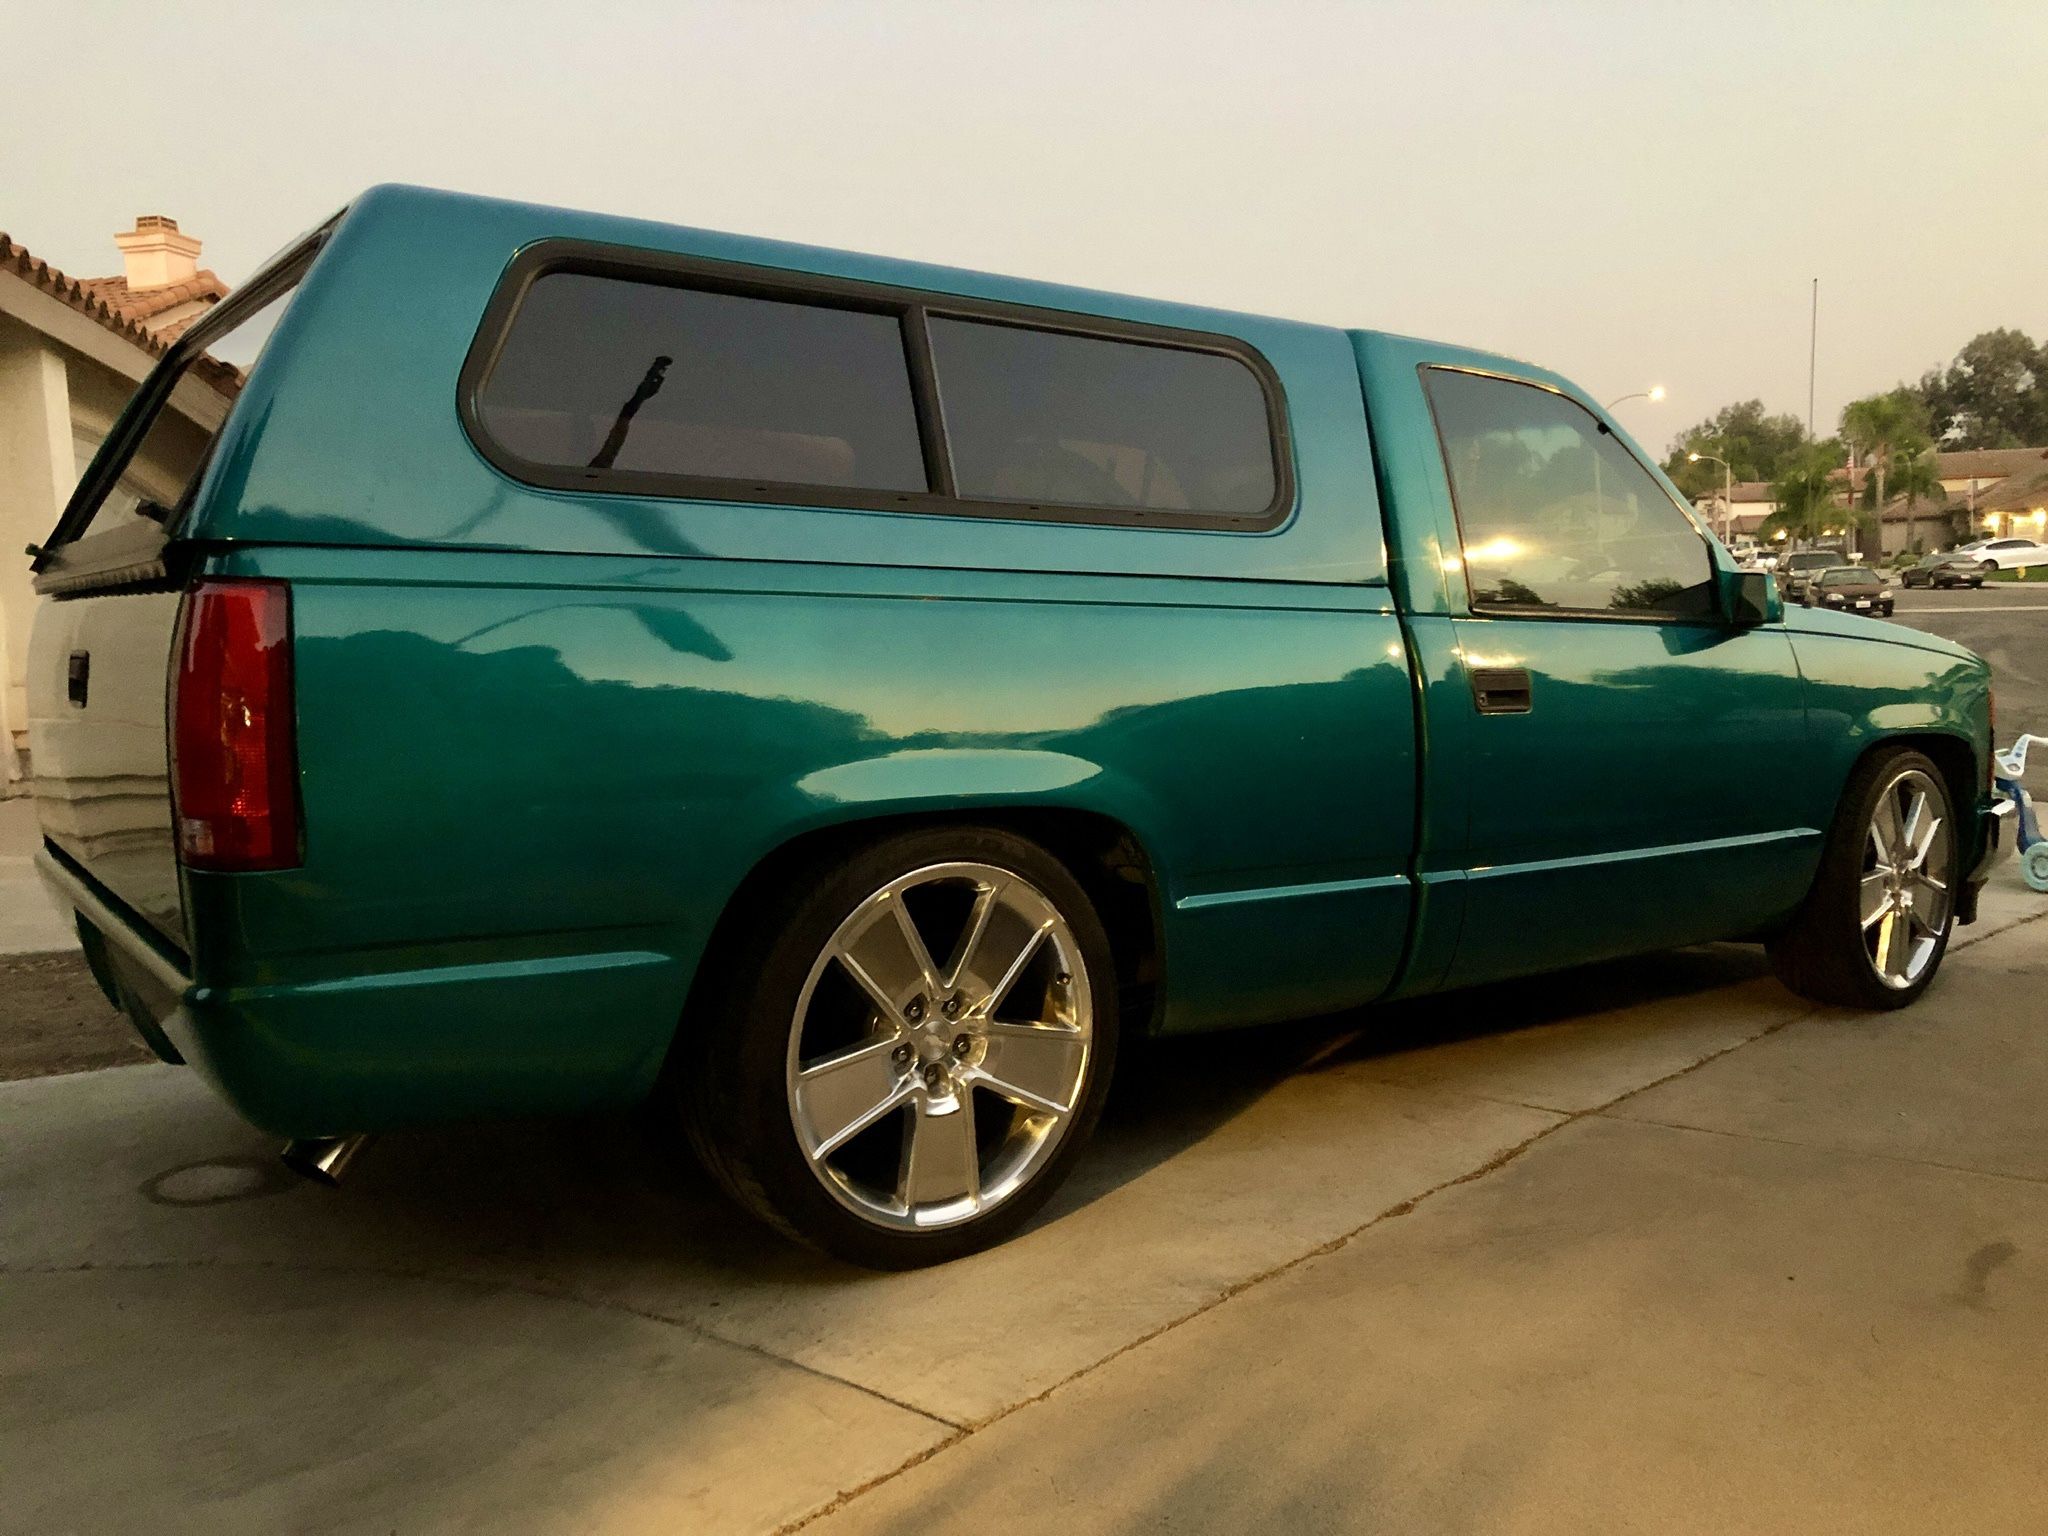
[1554,514]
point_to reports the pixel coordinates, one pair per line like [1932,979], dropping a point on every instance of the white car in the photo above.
[2005,554]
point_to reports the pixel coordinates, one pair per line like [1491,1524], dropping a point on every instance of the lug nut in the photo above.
[915,1011]
[901,1055]
[962,1045]
[934,1075]
[951,1007]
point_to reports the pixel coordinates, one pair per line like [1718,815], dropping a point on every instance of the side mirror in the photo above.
[1749,598]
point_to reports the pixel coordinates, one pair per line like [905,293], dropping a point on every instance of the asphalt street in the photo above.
[2006,624]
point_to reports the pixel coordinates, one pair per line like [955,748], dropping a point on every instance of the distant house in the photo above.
[71,352]
[1741,512]
[1986,492]
[1993,492]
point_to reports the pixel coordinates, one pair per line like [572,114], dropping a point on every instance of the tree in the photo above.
[1756,446]
[1994,395]
[1880,426]
[1914,475]
[1805,494]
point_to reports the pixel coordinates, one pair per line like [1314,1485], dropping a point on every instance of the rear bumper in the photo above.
[139,979]
[371,1044]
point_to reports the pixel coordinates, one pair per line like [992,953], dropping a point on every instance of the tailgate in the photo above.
[99,666]
[98,680]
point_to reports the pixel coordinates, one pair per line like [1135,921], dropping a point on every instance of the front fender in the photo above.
[1863,688]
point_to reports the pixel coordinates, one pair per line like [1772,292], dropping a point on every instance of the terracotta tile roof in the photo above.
[1741,491]
[2015,493]
[144,305]
[94,299]
[1989,463]
[2018,476]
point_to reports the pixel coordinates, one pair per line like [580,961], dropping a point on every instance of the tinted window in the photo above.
[1038,416]
[1554,513]
[603,373]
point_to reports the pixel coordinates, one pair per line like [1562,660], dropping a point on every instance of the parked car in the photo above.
[1856,588]
[1795,570]
[1949,570]
[590,669]
[2006,554]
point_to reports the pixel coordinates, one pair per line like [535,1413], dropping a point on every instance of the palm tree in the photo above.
[1913,477]
[1880,425]
[1805,495]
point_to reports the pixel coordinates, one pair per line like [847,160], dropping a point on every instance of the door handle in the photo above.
[1501,690]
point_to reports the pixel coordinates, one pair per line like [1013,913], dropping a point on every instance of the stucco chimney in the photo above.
[156,254]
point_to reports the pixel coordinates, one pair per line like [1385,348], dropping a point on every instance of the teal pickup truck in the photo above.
[840,701]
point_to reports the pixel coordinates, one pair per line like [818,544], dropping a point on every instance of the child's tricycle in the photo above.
[2011,767]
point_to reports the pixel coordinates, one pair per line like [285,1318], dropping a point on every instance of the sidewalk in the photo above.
[29,921]
[1649,1245]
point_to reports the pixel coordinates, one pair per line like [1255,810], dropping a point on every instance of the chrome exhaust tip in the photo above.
[323,1159]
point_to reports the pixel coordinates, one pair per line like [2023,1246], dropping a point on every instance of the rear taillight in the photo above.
[234,757]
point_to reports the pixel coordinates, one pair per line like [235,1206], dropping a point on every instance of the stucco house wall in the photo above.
[71,352]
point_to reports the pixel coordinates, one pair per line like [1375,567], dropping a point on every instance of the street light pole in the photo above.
[1727,493]
[1653,394]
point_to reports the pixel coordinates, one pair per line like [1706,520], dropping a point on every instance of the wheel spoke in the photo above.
[1035,1065]
[1889,830]
[940,1161]
[987,902]
[1000,940]
[1876,896]
[1928,892]
[841,1096]
[1921,833]
[1892,934]
[888,959]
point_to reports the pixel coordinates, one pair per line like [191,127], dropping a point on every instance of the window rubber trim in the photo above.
[1480,610]
[912,307]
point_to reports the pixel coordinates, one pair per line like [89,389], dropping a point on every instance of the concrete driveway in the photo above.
[1650,1245]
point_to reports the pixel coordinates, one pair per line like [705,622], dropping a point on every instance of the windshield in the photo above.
[145,471]
[1850,576]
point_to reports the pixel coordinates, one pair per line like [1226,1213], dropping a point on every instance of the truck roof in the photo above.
[398,200]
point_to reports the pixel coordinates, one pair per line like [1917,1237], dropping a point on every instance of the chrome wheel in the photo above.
[1906,901]
[927,1091]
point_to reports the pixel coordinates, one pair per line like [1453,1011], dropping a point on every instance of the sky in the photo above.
[1632,194]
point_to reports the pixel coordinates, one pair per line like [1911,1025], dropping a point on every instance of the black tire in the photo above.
[1976,583]
[727,1075]
[1820,953]
[1888,608]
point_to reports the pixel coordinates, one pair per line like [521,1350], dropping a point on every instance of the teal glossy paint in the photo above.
[348,432]
[544,737]
[1672,781]
[569,757]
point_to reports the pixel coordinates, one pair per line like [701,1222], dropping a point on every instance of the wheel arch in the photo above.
[1105,855]
[1953,754]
